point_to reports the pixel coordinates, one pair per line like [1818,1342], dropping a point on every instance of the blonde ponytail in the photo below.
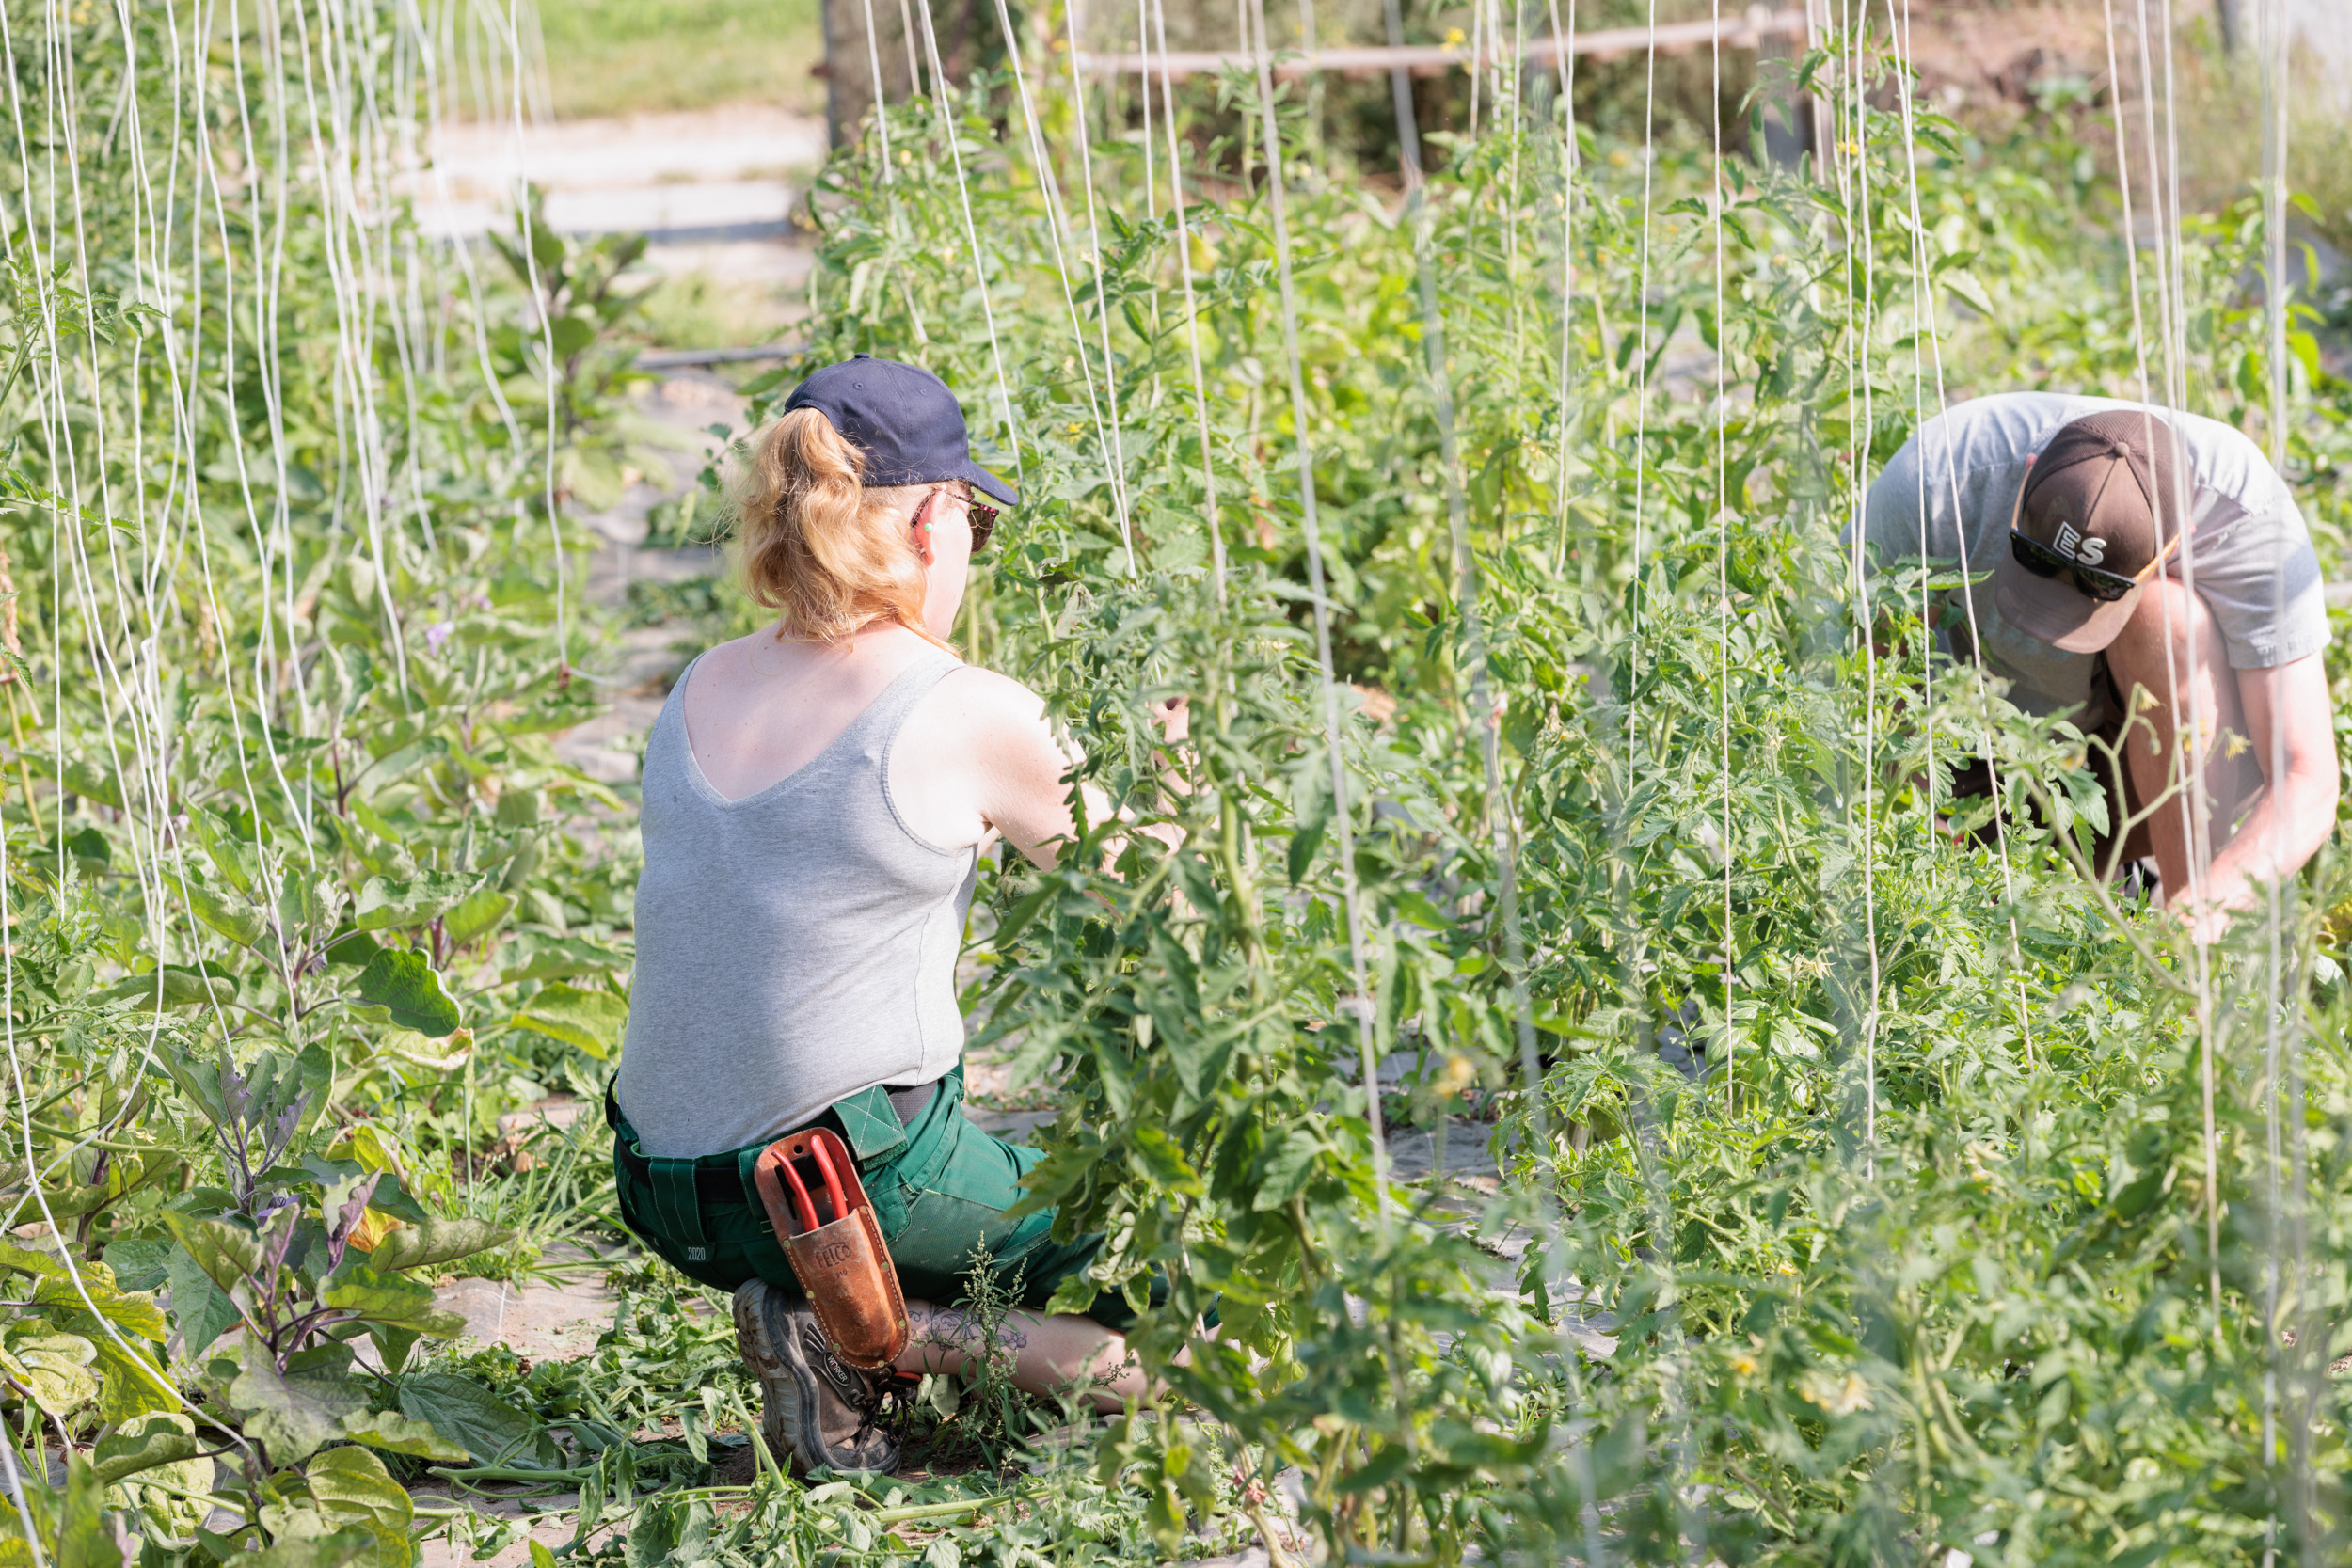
[819,543]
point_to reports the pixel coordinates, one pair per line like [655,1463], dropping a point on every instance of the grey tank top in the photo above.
[793,947]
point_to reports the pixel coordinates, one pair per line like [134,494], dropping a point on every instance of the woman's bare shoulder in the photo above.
[980,701]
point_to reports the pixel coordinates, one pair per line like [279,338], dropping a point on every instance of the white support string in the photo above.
[2186,761]
[1360,1005]
[1565,60]
[881,104]
[1722,553]
[1113,441]
[1641,398]
[1049,184]
[1192,309]
[1859,368]
[972,240]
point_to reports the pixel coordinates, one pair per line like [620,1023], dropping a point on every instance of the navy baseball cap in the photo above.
[903,418]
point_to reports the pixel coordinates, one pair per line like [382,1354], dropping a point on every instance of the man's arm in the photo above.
[2290,720]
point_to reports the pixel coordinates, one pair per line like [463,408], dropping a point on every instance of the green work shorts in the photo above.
[940,1188]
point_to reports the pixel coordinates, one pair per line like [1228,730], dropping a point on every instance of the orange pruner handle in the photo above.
[775,1171]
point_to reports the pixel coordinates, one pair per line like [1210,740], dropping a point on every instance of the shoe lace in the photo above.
[883,1407]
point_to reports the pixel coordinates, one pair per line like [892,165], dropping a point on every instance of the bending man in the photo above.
[2113,546]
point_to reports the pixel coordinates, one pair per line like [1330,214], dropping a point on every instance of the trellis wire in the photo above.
[1116,456]
[2282,1031]
[1192,309]
[1360,1004]
[1641,395]
[2183,696]
[972,240]
[1049,186]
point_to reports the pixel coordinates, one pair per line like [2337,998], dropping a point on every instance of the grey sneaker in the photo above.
[815,1410]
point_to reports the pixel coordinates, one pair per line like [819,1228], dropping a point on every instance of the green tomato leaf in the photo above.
[1285,1168]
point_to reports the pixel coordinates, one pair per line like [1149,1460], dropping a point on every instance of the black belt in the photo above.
[725,1184]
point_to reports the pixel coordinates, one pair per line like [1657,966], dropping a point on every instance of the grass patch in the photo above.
[638,57]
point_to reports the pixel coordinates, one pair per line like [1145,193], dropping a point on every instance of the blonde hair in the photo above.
[819,543]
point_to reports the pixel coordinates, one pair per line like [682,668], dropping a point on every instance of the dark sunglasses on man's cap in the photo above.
[2044,562]
[2092,582]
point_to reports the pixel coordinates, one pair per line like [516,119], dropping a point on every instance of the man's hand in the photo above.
[2291,728]
[1173,715]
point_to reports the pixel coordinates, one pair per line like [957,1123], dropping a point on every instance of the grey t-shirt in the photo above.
[2249,555]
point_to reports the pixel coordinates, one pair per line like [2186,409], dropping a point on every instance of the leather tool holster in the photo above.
[808,1183]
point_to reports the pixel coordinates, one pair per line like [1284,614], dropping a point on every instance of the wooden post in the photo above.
[851,63]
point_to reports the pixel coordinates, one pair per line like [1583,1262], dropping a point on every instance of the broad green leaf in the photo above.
[384,903]
[480,912]
[138,1262]
[26,1260]
[145,1443]
[172,987]
[394,1433]
[592,1020]
[293,1412]
[353,1488]
[53,1368]
[126,1389]
[559,957]
[1285,1168]
[229,851]
[461,1410]
[404,982]
[414,1247]
[234,918]
[393,1301]
[227,1254]
[316,1551]
[133,1314]
[201,1309]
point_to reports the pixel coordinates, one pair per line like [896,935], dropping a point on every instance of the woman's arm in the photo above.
[977,758]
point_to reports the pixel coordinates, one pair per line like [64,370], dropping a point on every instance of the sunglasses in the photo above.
[2091,582]
[983,519]
[2044,562]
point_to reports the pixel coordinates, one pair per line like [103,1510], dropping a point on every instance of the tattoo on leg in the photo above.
[957,1328]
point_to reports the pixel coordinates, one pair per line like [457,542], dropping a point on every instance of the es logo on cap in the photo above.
[2072,542]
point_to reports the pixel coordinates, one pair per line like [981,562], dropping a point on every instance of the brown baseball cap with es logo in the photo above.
[2098,516]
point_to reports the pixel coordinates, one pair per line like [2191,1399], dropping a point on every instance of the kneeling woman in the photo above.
[817,797]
